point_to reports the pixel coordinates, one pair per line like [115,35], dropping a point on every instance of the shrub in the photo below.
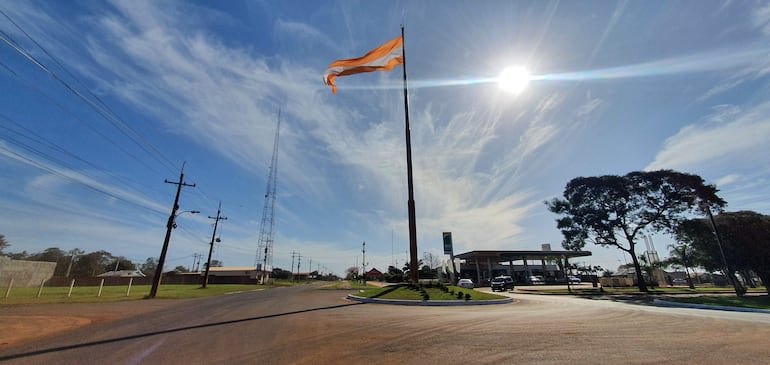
[459,295]
[468,296]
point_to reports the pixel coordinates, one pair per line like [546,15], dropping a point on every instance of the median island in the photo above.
[428,294]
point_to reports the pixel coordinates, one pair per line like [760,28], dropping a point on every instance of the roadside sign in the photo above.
[448,243]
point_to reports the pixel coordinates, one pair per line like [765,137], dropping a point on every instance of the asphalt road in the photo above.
[302,325]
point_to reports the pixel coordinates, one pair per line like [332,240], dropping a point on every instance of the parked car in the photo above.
[465,283]
[574,280]
[679,281]
[502,283]
[536,280]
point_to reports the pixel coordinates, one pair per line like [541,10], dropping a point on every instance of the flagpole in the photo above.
[412,224]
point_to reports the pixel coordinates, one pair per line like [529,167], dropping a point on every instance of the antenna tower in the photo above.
[264,257]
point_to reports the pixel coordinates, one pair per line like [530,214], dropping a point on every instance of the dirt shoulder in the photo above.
[22,323]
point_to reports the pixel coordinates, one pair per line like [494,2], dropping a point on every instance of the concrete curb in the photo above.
[429,303]
[664,303]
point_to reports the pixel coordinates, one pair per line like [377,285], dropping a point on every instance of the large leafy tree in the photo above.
[615,210]
[92,264]
[745,243]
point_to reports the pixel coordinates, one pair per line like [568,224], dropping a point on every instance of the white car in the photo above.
[536,280]
[574,280]
[465,283]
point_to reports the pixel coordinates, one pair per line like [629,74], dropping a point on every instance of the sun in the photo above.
[514,79]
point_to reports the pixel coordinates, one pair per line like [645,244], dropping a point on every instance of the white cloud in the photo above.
[736,142]
[760,18]
[727,180]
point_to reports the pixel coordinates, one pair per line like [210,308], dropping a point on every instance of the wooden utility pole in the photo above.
[211,247]
[170,224]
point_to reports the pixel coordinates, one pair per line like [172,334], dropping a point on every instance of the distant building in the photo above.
[122,274]
[374,274]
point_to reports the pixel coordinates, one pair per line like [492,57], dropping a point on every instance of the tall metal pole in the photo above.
[211,247]
[363,252]
[412,224]
[730,276]
[169,227]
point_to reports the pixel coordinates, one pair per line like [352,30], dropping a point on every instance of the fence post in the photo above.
[100,288]
[130,281]
[40,291]
[8,291]
[69,293]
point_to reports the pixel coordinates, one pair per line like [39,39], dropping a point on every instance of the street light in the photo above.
[159,269]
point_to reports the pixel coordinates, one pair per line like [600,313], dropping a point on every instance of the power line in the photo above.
[99,107]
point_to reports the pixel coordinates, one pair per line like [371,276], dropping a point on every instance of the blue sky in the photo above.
[617,87]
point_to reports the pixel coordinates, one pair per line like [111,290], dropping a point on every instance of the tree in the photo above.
[180,269]
[427,273]
[745,244]
[433,261]
[351,273]
[394,275]
[149,266]
[599,209]
[92,264]
[120,263]
[3,243]
[279,273]
[682,255]
[216,263]
[407,268]
[51,254]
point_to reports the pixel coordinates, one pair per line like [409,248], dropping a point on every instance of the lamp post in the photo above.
[171,224]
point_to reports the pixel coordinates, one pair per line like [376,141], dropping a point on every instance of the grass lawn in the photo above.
[635,290]
[404,292]
[758,302]
[88,294]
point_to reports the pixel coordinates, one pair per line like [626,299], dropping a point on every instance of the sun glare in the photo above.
[513,79]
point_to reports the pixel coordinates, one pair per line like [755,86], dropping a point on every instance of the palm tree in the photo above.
[683,255]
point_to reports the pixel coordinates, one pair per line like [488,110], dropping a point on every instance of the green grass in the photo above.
[635,290]
[87,294]
[403,292]
[757,302]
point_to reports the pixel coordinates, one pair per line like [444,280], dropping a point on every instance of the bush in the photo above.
[467,296]
[459,295]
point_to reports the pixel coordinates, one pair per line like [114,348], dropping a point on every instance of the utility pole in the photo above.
[73,254]
[309,267]
[196,262]
[293,254]
[363,262]
[211,247]
[299,259]
[170,224]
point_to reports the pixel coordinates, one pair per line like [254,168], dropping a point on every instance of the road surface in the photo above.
[303,325]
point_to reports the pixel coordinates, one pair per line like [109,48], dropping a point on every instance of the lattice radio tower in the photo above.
[264,257]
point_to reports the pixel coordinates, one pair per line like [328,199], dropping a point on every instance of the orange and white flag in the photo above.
[382,58]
